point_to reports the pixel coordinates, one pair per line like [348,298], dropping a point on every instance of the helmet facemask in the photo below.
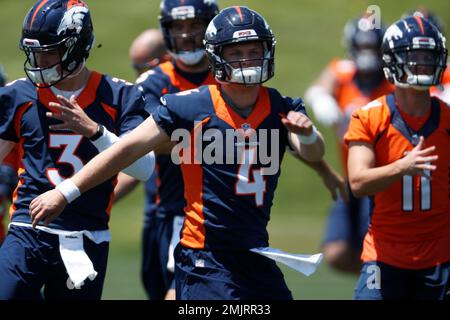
[236,71]
[418,69]
[49,75]
[180,41]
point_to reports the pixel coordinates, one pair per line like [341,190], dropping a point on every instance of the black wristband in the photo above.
[98,134]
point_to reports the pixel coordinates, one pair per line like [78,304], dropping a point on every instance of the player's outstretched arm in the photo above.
[140,141]
[303,136]
[365,179]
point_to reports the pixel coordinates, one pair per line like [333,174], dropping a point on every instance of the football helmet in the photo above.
[363,44]
[60,29]
[430,16]
[172,10]
[239,25]
[414,53]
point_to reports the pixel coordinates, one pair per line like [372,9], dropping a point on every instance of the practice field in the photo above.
[308,35]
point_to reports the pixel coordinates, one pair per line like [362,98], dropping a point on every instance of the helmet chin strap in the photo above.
[80,68]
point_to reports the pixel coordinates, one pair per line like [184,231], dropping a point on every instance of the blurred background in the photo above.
[308,36]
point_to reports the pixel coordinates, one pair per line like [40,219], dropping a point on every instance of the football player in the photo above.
[61,117]
[398,155]
[344,86]
[227,202]
[147,51]
[183,25]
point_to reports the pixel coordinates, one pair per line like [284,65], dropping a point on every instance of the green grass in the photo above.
[308,35]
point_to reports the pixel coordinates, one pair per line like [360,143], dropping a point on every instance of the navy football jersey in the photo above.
[50,156]
[167,78]
[228,202]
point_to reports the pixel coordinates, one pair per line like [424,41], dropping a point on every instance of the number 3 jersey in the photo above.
[228,193]
[410,220]
[50,156]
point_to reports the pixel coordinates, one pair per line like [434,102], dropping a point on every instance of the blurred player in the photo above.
[8,172]
[227,201]
[398,154]
[148,50]
[344,86]
[60,117]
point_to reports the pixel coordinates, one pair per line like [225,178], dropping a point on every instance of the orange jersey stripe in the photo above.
[193,234]
[227,114]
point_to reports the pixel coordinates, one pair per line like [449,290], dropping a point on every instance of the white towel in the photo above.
[306,264]
[78,265]
[177,225]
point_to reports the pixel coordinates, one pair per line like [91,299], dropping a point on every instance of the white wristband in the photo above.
[69,190]
[105,141]
[312,138]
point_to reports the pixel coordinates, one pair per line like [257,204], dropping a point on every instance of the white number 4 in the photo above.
[243,185]
[69,143]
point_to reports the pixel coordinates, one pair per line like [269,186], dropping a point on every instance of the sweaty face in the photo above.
[188,34]
[247,54]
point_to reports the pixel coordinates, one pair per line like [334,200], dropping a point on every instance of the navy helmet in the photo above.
[2,76]
[60,27]
[363,43]
[238,25]
[427,14]
[411,45]
[173,10]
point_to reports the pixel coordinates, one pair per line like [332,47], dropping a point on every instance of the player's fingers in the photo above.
[35,220]
[59,107]
[427,159]
[53,115]
[66,102]
[420,144]
[425,166]
[427,150]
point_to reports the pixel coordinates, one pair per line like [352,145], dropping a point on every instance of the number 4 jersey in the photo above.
[48,156]
[410,220]
[228,193]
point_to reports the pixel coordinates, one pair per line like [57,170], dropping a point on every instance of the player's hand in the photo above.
[335,184]
[298,123]
[72,116]
[418,160]
[47,207]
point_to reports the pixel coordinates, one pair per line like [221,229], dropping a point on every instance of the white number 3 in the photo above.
[69,143]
